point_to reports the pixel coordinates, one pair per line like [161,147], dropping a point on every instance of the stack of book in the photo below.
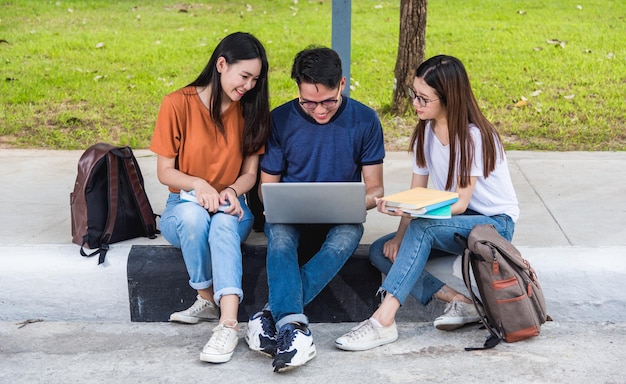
[423,202]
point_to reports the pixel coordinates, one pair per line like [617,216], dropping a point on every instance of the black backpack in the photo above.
[109,203]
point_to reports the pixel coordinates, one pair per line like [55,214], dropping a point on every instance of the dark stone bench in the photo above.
[158,285]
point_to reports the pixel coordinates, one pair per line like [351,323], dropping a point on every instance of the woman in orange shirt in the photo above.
[208,138]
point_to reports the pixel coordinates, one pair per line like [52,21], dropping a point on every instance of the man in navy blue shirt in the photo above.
[321,136]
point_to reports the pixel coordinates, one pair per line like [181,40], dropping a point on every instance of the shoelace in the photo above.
[453,308]
[360,330]
[285,338]
[268,325]
[220,337]
[198,306]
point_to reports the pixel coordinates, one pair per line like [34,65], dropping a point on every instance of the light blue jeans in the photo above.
[292,287]
[407,275]
[210,244]
[425,287]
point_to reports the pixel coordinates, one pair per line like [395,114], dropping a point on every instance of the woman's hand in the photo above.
[390,248]
[228,196]
[207,196]
[382,208]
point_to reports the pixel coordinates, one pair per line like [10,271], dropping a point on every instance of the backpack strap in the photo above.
[139,193]
[112,216]
[494,338]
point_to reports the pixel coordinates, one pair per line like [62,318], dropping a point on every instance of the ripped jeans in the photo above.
[407,275]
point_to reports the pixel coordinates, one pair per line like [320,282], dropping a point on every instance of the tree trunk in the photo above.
[411,47]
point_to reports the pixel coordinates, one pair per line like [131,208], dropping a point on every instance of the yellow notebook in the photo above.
[421,200]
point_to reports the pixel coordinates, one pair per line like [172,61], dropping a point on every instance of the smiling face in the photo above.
[238,78]
[319,93]
[433,109]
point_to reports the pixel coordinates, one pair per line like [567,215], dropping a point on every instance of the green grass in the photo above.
[77,72]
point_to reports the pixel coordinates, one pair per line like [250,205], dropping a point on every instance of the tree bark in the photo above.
[411,46]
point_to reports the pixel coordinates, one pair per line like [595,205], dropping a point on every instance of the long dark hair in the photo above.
[255,103]
[447,76]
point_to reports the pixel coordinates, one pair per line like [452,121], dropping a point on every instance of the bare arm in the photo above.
[373,179]
[465,195]
[172,177]
[390,248]
[207,195]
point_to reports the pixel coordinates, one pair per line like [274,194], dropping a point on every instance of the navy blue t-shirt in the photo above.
[301,150]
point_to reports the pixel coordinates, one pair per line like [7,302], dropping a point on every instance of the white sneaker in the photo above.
[221,345]
[367,336]
[456,315]
[294,347]
[261,333]
[201,310]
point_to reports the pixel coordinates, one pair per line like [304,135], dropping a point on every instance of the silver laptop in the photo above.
[314,203]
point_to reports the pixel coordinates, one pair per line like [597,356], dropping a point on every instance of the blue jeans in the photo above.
[210,244]
[292,287]
[407,275]
[425,287]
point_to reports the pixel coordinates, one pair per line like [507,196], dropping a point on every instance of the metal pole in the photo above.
[341,38]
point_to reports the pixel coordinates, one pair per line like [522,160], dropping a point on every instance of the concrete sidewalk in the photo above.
[572,229]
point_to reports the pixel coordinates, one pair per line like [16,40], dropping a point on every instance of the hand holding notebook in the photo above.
[422,202]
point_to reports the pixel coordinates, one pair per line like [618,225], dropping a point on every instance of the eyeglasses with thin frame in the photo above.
[422,101]
[328,104]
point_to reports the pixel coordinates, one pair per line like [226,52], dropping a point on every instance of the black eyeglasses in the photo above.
[422,101]
[328,104]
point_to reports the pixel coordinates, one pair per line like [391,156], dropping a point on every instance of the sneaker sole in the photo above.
[365,347]
[216,358]
[453,326]
[190,320]
[262,351]
[308,356]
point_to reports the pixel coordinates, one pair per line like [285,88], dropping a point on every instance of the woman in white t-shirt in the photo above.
[459,150]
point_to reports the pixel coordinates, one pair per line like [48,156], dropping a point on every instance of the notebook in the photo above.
[314,203]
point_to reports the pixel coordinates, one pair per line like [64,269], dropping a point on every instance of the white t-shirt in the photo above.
[493,195]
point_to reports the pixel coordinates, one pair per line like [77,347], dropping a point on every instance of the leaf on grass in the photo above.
[521,103]
[521,12]
[556,42]
[100,45]
[98,77]
[579,7]
[610,55]
[536,93]
[569,97]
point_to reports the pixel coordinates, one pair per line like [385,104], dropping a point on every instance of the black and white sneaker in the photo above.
[294,347]
[261,333]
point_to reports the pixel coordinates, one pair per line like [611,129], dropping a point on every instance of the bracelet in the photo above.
[234,190]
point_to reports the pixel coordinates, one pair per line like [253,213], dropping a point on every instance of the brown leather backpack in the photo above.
[511,304]
[109,202]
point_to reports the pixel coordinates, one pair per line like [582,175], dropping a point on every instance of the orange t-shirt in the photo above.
[184,130]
